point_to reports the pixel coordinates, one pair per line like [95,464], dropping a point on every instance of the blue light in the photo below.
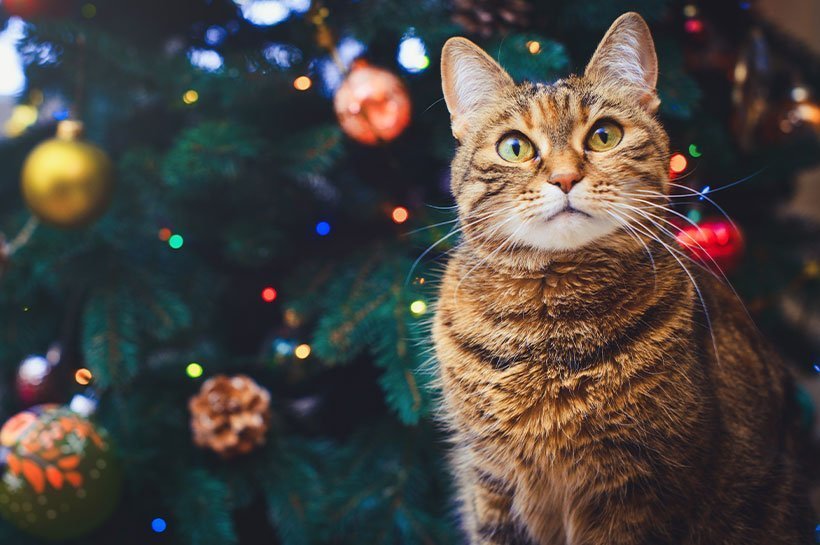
[817,367]
[703,192]
[159,525]
[745,5]
[323,228]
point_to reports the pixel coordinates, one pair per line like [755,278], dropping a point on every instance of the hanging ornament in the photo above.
[230,415]
[372,104]
[39,9]
[44,379]
[60,478]
[67,182]
[715,243]
[486,17]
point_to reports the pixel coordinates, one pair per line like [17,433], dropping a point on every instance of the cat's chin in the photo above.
[562,232]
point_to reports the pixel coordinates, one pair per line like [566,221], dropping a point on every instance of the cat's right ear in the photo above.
[471,80]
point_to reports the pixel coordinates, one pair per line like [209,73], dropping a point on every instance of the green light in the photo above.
[194,370]
[694,215]
[89,11]
[694,151]
[176,242]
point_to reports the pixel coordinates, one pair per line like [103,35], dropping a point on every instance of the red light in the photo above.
[269,294]
[693,26]
[677,163]
[400,214]
[165,234]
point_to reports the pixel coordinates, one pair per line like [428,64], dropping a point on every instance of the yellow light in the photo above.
[418,307]
[83,376]
[89,11]
[534,47]
[302,351]
[690,10]
[302,83]
[190,96]
[194,370]
[22,117]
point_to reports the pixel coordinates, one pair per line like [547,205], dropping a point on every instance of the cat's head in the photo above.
[556,167]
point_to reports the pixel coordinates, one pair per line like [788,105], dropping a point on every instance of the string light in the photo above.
[176,242]
[534,47]
[83,377]
[158,525]
[190,96]
[418,307]
[400,214]
[694,151]
[323,228]
[302,83]
[302,351]
[703,192]
[677,163]
[269,294]
[164,234]
[194,370]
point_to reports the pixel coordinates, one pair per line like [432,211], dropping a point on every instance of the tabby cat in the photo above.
[600,388]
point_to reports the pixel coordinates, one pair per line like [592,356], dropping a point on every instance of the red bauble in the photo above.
[716,243]
[372,104]
[39,9]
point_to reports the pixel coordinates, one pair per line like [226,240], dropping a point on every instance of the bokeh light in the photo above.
[302,83]
[302,351]
[269,294]
[400,214]
[412,54]
[164,234]
[190,96]
[323,228]
[694,151]
[534,47]
[176,242]
[83,377]
[194,370]
[206,59]
[418,307]
[159,525]
[13,81]
[677,163]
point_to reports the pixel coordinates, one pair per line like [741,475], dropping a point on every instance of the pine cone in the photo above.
[230,415]
[485,17]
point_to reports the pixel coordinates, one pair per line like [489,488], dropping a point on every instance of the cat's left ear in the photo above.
[626,56]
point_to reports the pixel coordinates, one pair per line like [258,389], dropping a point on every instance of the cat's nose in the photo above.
[565,180]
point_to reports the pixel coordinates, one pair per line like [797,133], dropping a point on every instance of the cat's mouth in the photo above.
[568,210]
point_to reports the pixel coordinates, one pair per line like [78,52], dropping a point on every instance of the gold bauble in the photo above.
[67,182]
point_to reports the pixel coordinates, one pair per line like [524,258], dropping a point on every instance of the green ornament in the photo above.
[60,478]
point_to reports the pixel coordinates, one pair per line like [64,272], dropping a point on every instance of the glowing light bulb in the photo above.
[194,370]
[418,307]
[534,47]
[302,351]
[677,163]
[400,214]
[302,83]
[269,294]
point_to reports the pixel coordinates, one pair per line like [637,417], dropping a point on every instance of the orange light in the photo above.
[677,163]
[302,83]
[400,214]
[534,47]
[83,376]
[269,295]
[165,234]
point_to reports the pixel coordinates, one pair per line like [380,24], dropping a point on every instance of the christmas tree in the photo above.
[225,262]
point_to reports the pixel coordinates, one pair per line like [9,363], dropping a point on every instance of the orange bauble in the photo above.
[372,104]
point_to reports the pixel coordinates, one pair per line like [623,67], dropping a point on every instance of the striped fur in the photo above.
[598,390]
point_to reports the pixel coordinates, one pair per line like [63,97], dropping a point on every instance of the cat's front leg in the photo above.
[487,510]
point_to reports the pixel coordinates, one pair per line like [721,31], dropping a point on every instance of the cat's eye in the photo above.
[515,148]
[604,136]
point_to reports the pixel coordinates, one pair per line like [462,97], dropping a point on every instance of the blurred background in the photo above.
[223,223]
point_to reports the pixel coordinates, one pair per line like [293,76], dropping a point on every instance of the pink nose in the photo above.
[565,180]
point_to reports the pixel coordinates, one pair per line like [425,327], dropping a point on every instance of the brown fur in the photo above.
[593,398]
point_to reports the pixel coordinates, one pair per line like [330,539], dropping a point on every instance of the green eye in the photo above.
[604,136]
[515,148]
